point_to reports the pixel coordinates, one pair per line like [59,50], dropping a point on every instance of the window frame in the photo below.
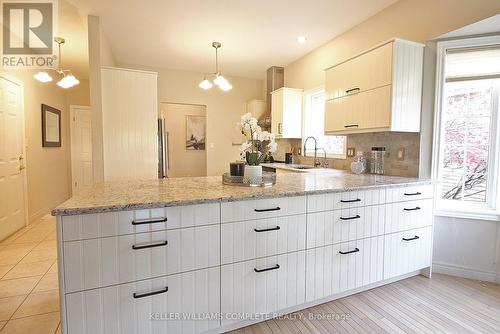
[306,104]
[491,209]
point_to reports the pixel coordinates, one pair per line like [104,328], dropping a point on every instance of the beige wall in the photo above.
[223,109]
[182,162]
[417,20]
[48,168]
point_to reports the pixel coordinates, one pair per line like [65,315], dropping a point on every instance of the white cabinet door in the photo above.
[286,112]
[252,239]
[404,216]
[331,227]
[410,193]
[262,208]
[367,71]
[128,309]
[263,286]
[407,251]
[95,263]
[110,224]
[345,200]
[341,267]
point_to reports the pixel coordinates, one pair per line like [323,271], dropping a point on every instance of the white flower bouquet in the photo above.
[259,145]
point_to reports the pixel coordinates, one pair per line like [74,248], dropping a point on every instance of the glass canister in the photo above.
[377,161]
[359,164]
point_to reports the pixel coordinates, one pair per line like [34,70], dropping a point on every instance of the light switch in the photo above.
[401,153]
[351,152]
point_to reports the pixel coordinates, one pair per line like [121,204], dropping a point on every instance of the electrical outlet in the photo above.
[351,152]
[401,153]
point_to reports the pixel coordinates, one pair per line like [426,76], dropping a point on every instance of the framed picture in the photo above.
[195,132]
[51,126]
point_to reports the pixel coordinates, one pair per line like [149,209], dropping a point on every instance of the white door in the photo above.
[81,147]
[12,163]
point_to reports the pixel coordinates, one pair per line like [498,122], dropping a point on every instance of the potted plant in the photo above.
[259,145]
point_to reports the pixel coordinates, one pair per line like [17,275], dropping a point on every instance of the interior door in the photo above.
[81,147]
[12,163]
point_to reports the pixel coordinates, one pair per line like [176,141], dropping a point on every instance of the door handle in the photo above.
[410,239]
[265,210]
[144,222]
[412,209]
[159,244]
[350,218]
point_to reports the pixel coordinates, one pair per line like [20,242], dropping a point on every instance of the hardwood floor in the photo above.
[443,304]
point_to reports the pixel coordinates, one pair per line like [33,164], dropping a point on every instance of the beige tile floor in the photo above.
[29,296]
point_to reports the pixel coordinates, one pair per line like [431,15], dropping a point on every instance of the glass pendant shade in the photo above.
[43,77]
[205,84]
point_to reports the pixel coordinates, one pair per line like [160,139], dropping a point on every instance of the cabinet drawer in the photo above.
[263,286]
[407,251]
[138,221]
[262,208]
[410,193]
[331,227]
[403,216]
[115,310]
[329,271]
[95,263]
[367,71]
[345,200]
[252,239]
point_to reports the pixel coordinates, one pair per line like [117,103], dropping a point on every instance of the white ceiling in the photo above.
[255,34]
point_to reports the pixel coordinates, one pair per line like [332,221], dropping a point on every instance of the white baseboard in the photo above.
[460,271]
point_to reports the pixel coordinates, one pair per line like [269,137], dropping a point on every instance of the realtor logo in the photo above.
[28,33]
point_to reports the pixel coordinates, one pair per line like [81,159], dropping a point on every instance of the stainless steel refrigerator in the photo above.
[162,149]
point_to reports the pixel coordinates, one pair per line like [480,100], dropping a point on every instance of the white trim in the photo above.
[460,271]
[437,148]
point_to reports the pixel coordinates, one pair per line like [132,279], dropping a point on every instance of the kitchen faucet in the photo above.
[316,161]
[325,162]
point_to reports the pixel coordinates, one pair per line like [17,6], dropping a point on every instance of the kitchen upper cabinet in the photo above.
[378,90]
[286,112]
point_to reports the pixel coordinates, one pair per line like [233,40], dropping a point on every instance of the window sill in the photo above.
[490,215]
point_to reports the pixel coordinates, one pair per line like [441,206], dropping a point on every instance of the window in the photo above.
[314,125]
[466,141]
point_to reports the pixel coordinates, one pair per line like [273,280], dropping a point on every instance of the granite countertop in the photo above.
[132,195]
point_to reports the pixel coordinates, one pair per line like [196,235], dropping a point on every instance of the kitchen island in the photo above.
[191,255]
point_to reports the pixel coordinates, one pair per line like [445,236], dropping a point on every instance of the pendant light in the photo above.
[68,80]
[219,79]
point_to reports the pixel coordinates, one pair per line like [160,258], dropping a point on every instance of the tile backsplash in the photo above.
[392,141]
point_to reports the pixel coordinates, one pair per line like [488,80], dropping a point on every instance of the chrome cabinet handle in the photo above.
[152,293]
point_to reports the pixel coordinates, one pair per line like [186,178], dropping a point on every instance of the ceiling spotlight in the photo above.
[43,76]
[301,39]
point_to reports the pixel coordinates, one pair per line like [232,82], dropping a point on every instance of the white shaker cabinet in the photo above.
[377,90]
[286,112]
[232,263]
